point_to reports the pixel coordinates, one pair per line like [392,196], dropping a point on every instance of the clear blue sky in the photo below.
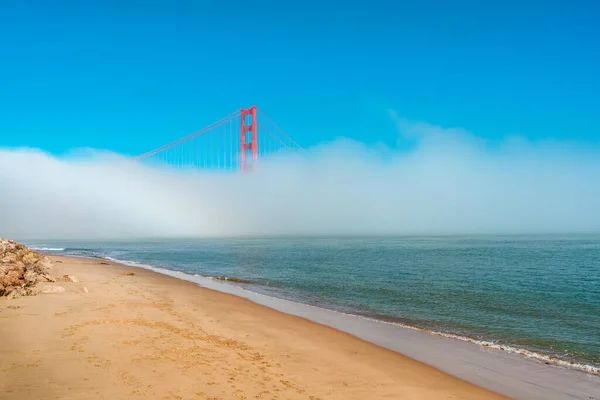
[131,75]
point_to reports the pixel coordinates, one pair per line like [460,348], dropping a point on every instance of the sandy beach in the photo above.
[117,335]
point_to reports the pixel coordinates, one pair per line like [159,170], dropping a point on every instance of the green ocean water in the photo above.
[540,293]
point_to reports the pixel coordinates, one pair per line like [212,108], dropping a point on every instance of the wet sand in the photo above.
[147,335]
[512,375]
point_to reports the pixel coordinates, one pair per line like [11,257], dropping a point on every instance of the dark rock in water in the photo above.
[232,279]
[21,269]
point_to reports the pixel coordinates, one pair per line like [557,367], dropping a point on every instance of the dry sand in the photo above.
[152,336]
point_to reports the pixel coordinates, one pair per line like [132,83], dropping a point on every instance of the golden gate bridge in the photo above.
[234,142]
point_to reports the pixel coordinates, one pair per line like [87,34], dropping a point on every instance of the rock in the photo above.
[20,266]
[30,258]
[17,292]
[12,278]
[233,279]
[128,273]
[9,258]
[52,289]
[30,277]
[45,263]
[70,278]
[21,269]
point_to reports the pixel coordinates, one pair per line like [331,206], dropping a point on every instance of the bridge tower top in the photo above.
[251,145]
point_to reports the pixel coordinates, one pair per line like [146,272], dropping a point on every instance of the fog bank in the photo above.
[446,181]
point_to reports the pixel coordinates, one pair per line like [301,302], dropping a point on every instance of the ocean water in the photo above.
[535,293]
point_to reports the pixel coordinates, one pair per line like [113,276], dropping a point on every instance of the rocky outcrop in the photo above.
[21,269]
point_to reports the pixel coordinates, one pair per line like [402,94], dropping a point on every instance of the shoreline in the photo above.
[534,355]
[233,281]
[127,332]
[348,356]
[510,372]
[506,348]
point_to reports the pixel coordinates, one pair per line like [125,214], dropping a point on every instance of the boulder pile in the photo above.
[21,269]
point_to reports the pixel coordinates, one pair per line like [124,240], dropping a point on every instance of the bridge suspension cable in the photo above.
[234,142]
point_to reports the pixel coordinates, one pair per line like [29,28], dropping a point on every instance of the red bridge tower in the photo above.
[252,145]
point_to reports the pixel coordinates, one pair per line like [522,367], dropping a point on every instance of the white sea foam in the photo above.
[47,249]
[507,348]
